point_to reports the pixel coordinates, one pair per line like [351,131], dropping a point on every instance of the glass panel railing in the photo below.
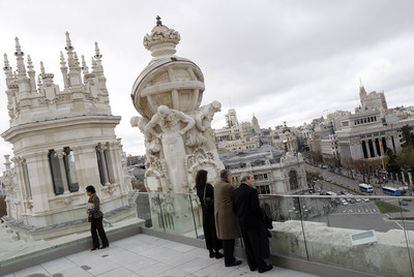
[356,232]
[174,213]
[405,219]
[287,234]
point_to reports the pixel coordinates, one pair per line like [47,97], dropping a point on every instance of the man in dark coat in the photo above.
[252,225]
[226,224]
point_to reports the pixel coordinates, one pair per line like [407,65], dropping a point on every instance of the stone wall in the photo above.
[329,245]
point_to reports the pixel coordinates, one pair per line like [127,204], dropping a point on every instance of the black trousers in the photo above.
[228,251]
[96,225]
[255,244]
[213,244]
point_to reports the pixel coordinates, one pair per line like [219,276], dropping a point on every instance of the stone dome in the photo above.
[168,80]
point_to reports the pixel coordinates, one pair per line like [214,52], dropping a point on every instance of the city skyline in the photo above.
[234,54]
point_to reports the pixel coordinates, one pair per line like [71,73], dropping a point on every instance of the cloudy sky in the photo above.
[281,60]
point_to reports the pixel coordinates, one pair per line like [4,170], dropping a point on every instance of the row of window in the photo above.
[365,120]
[63,170]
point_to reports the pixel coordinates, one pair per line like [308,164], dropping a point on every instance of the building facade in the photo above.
[63,140]
[275,171]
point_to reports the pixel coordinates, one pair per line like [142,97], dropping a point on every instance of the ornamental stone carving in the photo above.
[177,131]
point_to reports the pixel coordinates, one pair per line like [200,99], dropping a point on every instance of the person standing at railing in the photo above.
[205,193]
[252,224]
[226,225]
[95,217]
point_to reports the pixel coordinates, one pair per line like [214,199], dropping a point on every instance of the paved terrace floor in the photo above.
[144,255]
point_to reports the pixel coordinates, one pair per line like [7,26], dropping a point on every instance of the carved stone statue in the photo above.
[169,122]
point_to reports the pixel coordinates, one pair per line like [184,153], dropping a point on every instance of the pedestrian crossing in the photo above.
[357,209]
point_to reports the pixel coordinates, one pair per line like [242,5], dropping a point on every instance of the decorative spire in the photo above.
[97,68]
[162,40]
[97,51]
[84,66]
[93,61]
[76,59]
[32,74]
[18,47]
[62,60]
[21,68]
[7,68]
[69,46]
[29,63]
[39,81]
[69,50]
[42,68]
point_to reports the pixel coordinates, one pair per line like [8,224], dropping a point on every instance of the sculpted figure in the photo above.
[203,116]
[170,123]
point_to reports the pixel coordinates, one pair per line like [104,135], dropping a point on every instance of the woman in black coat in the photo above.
[95,217]
[205,193]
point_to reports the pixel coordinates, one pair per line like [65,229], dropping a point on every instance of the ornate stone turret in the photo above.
[55,135]
[162,40]
[178,135]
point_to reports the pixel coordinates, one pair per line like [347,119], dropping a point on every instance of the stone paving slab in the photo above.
[145,256]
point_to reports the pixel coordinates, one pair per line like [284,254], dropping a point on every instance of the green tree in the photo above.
[406,158]
[391,162]
[408,136]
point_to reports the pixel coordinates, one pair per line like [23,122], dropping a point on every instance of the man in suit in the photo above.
[227,228]
[252,225]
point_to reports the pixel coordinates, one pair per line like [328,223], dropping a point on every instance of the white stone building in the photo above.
[63,140]
[274,170]
[236,136]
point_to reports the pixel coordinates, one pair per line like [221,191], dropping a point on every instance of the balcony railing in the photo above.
[368,234]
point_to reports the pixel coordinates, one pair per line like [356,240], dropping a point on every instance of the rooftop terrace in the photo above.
[358,236]
[145,255]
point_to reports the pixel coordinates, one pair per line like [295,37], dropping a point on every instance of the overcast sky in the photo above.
[281,60]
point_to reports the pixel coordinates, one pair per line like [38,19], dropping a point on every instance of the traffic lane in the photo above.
[342,180]
[363,222]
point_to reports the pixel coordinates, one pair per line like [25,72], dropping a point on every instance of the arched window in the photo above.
[55,172]
[70,170]
[293,180]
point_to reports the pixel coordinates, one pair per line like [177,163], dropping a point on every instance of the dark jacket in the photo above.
[226,223]
[247,208]
[94,209]
[206,195]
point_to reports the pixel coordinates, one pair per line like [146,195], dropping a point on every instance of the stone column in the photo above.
[371,148]
[19,177]
[115,161]
[41,183]
[60,156]
[378,147]
[403,177]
